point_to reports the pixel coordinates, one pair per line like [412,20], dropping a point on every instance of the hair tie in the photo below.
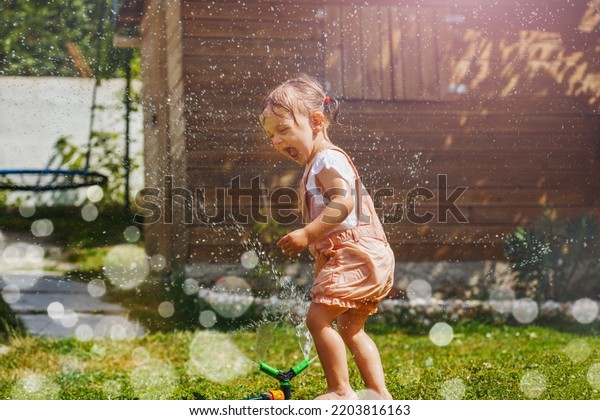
[327,99]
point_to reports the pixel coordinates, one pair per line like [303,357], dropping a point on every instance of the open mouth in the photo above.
[291,152]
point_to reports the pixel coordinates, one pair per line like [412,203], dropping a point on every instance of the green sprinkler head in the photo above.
[284,377]
[271,371]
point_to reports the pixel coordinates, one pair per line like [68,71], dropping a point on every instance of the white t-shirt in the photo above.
[330,159]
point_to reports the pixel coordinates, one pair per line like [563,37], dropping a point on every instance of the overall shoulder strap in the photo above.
[357,184]
[337,149]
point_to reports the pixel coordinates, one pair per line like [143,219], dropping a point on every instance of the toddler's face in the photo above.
[293,139]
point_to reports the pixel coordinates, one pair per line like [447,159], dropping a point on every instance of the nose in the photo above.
[277,140]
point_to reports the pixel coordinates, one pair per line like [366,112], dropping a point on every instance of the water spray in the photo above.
[285,388]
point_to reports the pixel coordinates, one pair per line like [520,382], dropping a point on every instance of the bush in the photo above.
[70,230]
[556,259]
[9,324]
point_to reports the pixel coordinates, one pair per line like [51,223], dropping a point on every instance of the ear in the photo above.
[317,121]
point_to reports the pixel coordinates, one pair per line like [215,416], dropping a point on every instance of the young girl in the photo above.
[354,264]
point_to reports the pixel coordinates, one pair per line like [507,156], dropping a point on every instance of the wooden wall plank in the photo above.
[268,12]
[245,75]
[176,124]
[410,55]
[429,55]
[352,53]
[156,139]
[333,50]
[385,60]
[444,34]
[397,40]
[253,29]
[370,53]
[236,47]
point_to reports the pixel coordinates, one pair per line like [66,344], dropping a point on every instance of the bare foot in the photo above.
[386,395]
[369,394]
[351,395]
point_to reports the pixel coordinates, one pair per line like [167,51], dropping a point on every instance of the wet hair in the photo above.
[302,94]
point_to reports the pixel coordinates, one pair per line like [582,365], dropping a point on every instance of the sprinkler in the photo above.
[285,388]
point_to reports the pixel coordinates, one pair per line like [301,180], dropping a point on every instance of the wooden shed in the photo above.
[466,118]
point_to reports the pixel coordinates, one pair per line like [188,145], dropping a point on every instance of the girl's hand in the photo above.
[294,242]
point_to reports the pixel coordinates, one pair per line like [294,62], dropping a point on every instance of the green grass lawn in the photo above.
[481,362]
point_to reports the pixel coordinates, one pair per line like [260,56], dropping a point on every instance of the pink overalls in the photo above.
[354,267]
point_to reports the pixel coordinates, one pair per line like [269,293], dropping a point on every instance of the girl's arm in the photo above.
[341,204]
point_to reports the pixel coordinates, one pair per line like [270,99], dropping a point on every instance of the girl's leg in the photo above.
[351,328]
[331,350]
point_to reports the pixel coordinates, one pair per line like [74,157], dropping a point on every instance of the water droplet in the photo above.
[116,327]
[34,254]
[230,297]
[140,355]
[166,309]
[42,228]
[593,376]
[501,299]
[441,334]
[304,339]
[453,389]
[98,351]
[190,287]
[84,332]
[69,319]
[89,212]
[132,234]
[94,193]
[525,310]
[408,375]
[154,380]
[208,319]
[264,338]
[112,389]
[158,262]
[27,208]
[55,310]
[96,288]
[533,384]
[126,266]
[249,259]
[12,254]
[577,350]
[215,357]
[419,291]
[35,386]
[11,294]
[585,310]
[118,332]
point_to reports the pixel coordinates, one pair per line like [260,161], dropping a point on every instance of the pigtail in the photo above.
[331,108]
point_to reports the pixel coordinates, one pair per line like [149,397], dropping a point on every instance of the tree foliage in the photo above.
[58,38]
[556,258]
